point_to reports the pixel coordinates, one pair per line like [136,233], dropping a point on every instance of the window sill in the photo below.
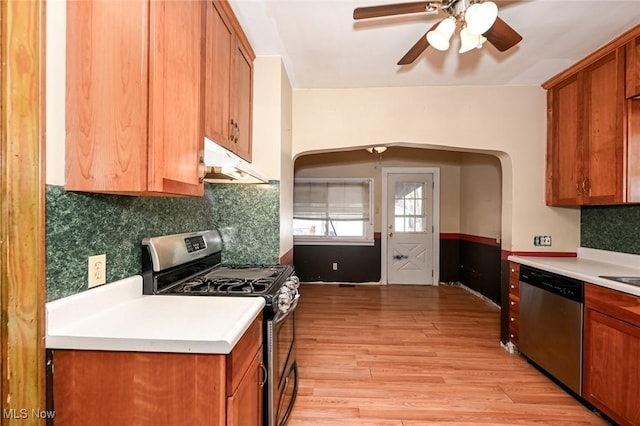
[301,241]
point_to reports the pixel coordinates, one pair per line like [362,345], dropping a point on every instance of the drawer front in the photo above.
[617,304]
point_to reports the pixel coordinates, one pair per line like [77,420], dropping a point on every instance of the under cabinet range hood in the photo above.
[223,166]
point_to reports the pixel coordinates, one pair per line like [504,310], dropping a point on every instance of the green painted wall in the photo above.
[80,225]
[613,228]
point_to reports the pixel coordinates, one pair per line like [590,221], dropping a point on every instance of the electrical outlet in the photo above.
[97,270]
[334,266]
[542,240]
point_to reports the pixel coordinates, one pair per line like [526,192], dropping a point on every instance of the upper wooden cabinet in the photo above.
[134,97]
[588,129]
[633,68]
[228,81]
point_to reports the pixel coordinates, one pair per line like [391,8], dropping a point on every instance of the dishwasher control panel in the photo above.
[570,288]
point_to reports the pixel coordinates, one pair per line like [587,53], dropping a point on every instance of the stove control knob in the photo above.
[294,280]
[285,299]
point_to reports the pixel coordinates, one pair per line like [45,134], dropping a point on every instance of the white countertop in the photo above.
[118,317]
[589,265]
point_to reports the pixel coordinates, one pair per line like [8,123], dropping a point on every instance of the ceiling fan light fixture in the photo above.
[439,38]
[480,17]
[377,149]
[470,41]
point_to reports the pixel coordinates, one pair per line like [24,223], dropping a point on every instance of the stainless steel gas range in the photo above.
[189,264]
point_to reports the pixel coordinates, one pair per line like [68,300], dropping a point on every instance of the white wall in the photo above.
[272,144]
[509,122]
[480,196]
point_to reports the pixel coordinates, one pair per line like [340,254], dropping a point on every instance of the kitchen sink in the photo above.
[626,280]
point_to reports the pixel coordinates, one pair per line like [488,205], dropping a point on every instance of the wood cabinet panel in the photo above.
[220,45]
[242,354]
[244,407]
[633,68]
[612,353]
[175,104]
[586,135]
[514,303]
[134,97]
[160,389]
[564,148]
[612,366]
[106,96]
[229,81]
[633,151]
[137,388]
[604,137]
[244,102]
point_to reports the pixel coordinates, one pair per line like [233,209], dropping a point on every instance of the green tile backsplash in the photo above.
[80,225]
[612,228]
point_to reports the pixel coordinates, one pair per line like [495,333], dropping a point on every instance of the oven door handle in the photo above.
[281,316]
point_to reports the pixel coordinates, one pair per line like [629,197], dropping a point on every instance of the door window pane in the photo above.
[409,207]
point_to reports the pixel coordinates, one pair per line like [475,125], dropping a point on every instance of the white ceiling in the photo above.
[323,47]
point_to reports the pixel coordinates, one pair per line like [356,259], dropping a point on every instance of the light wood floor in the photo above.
[415,355]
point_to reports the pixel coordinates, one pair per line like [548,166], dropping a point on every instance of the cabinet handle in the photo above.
[237,132]
[263,371]
[233,130]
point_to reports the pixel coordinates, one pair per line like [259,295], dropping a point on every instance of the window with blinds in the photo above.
[333,210]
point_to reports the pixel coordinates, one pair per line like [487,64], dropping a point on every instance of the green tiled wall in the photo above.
[613,228]
[80,225]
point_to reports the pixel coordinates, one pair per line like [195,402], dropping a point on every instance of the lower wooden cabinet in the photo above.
[160,389]
[514,303]
[611,380]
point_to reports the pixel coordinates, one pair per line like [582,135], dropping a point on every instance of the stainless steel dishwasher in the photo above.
[551,308]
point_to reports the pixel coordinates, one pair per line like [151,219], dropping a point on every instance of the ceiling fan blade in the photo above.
[394,9]
[502,36]
[417,49]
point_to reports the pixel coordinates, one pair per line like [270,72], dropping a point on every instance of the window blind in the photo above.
[338,201]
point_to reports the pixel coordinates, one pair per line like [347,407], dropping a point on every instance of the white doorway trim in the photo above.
[386,171]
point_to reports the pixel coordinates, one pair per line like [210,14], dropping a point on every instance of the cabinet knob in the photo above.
[512,319]
[513,303]
[512,286]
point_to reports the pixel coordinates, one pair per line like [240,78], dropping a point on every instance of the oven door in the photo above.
[283,371]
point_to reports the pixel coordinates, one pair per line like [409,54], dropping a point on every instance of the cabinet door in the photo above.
[612,366]
[244,407]
[176,141]
[564,149]
[219,58]
[633,68]
[106,96]
[243,102]
[604,132]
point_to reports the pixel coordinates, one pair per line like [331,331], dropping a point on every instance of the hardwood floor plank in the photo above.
[416,355]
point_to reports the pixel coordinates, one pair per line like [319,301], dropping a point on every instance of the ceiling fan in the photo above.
[478,20]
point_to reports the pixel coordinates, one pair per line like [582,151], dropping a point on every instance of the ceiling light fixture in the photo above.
[377,149]
[475,18]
